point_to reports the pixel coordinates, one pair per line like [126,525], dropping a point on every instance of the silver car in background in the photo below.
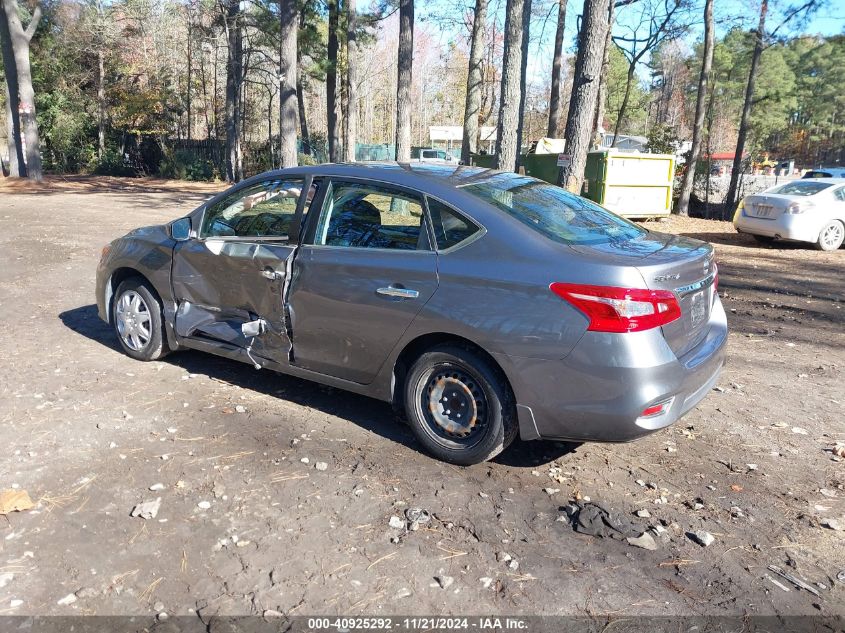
[484,304]
[807,210]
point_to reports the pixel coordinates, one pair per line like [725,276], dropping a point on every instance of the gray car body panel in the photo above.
[492,290]
[147,251]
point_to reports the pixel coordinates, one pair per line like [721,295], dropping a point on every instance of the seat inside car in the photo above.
[355,223]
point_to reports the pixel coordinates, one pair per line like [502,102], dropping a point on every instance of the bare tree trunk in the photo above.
[331,83]
[17,163]
[300,95]
[215,109]
[555,102]
[204,81]
[700,99]
[523,83]
[742,135]
[303,116]
[585,88]
[350,123]
[289,23]
[623,108]
[101,103]
[190,70]
[20,39]
[234,79]
[601,99]
[472,108]
[270,97]
[509,100]
[403,80]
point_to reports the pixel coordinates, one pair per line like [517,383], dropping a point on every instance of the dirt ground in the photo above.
[246,525]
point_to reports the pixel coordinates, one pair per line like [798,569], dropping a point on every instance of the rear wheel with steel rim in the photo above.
[832,235]
[136,316]
[459,405]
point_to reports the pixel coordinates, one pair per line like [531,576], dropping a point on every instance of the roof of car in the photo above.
[412,173]
[829,181]
[428,177]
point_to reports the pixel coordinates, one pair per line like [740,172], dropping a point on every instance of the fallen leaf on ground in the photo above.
[15,501]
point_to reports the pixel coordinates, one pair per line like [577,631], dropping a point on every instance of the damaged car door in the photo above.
[229,279]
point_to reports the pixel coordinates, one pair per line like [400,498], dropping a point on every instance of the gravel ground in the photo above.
[278,494]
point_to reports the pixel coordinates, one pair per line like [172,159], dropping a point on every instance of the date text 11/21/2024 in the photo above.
[417,623]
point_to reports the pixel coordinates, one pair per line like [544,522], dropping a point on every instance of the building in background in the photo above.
[450,138]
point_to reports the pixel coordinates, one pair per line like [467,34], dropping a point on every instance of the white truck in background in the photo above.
[437,156]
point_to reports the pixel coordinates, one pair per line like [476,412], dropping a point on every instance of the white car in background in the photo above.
[805,210]
[825,172]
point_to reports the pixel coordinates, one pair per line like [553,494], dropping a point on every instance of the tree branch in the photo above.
[33,23]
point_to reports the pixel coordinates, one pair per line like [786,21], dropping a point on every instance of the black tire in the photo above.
[151,342]
[764,239]
[478,388]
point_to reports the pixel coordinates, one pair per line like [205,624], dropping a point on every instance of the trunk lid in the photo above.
[670,262]
[766,206]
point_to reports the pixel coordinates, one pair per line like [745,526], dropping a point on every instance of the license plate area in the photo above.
[763,210]
[698,308]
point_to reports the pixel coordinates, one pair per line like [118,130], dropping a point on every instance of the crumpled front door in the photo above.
[221,285]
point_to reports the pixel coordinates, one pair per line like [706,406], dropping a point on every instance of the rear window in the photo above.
[818,174]
[552,211]
[798,188]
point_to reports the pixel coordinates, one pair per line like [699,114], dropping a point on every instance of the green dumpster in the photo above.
[487,161]
[631,184]
[542,166]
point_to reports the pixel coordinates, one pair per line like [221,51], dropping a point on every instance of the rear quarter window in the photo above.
[450,227]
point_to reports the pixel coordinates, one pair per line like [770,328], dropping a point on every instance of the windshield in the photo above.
[552,211]
[798,188]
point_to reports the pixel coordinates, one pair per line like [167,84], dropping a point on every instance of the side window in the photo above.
[428,154]
[265,209]
[839,194]
[450,227]
[370,216]
[441,155]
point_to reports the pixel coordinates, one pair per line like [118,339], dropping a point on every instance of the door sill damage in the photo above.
[251,330]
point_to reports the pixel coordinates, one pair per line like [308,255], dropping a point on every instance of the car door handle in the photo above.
[399,293]
[269,273]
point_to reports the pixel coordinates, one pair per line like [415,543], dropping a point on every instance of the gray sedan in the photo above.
[484,304]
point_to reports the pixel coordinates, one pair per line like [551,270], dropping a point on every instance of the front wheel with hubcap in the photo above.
[136,316]
[832,235]
[460,407]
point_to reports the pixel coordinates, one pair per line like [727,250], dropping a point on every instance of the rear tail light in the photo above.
[715,277]
[799,207]
[620,309]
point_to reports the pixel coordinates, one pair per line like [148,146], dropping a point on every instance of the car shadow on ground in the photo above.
[746,240]
[374,415]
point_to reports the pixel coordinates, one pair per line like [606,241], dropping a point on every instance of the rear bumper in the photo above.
[785,226]
[600,390]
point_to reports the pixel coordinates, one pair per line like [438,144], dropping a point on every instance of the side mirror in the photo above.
[180,230]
